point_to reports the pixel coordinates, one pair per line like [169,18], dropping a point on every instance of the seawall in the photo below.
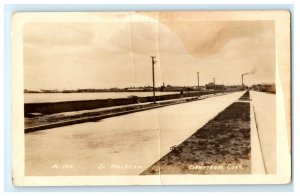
[68,106]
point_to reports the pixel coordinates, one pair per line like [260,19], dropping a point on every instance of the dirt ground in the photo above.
[222,146]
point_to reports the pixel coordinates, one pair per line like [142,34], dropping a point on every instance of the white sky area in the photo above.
[117,53]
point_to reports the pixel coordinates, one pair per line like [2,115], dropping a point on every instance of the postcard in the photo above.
[151,98]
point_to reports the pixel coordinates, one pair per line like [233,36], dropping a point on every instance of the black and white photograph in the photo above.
[154,97]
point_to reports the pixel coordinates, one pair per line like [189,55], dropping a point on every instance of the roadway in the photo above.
[125,145]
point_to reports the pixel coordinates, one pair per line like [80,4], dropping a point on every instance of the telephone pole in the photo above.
[153,77]
[198,79]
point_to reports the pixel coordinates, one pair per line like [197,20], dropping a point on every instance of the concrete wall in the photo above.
[67,106]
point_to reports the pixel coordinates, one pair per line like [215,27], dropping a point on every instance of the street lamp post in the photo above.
[153,77]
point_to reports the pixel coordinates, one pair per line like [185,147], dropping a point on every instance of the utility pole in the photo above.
[242,79]
[153,77]
[198,79]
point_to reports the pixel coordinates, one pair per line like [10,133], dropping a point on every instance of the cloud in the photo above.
[109,54]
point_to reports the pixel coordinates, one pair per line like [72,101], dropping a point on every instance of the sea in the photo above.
[58,97]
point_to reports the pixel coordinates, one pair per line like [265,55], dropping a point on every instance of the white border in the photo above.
[281,19]
[214,5]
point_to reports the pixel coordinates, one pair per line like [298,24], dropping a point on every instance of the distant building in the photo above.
[200,88]
[68,91]
[235,88]
[170,88]
[49,90]
[213,86]
[147,88]
[134,89]
[265,87]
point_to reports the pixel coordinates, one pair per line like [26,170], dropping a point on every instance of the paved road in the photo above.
[121,145]
[265,111]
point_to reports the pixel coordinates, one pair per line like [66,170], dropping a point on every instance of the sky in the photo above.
[105,54]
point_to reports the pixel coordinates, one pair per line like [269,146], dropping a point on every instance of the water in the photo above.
[56,97]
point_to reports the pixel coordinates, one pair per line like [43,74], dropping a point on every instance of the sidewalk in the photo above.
[264,106]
